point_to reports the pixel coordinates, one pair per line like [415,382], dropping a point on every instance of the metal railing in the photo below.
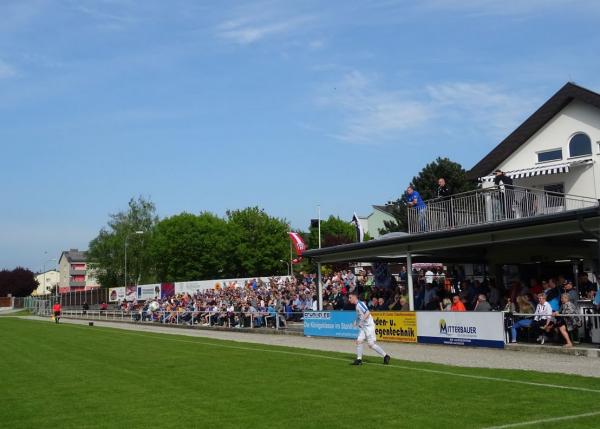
[490,205]
[239,320]
[585,326]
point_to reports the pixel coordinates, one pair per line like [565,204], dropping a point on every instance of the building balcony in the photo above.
[76,283]
[491,205]
[77,272]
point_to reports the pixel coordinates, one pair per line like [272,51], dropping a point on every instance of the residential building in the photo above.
[74,273]
[556,149]
[47,281]
[375,221]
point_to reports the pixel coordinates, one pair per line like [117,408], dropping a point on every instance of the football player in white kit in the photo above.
[366,327]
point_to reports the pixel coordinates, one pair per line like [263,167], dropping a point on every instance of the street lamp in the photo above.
[126,238]
[287,264]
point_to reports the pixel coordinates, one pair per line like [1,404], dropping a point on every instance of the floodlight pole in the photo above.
[409,281]
[320,284]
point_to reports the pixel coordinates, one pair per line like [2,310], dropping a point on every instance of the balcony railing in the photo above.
[74,283]
[491,205]
[73,272]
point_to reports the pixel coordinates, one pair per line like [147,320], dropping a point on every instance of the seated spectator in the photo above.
[482,304]
[570,290]
[541,319]
[457,304]
[565,324]
[524,305]
[446,305]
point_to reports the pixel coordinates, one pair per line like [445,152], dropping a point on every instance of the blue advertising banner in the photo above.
[330,324]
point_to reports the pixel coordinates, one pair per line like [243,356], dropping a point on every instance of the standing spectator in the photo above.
[413,199]
[505,184]
[443,192]
[85,307]
[586,287]
[569,290]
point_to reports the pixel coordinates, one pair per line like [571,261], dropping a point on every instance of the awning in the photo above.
[540,170]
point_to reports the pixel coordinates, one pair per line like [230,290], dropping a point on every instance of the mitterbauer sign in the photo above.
[485,329]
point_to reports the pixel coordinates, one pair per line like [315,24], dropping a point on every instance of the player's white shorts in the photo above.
[368,333]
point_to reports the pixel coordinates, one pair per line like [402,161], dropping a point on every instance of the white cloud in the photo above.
[493,110]
[249,30]
[6,70]
[370,114]
[503,7]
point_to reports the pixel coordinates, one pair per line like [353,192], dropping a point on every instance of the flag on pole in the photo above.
[360,234]
[299,246]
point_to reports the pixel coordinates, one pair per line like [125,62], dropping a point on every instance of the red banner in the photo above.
[298,243]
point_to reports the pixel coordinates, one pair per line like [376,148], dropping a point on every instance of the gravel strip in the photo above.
[447,355]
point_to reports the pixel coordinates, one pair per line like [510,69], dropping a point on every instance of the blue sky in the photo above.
[284,105]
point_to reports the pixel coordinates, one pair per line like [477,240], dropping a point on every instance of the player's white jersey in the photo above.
[361,310]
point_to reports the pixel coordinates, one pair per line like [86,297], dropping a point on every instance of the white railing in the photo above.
[491,205]
[190,318]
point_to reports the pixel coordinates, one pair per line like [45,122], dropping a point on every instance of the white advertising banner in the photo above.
[148,291]
[468,328]
[152,291]
[201,285]
[116,294]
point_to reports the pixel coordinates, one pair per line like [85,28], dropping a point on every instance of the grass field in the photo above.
[68,376]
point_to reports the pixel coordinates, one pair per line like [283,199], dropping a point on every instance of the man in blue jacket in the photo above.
[413,199]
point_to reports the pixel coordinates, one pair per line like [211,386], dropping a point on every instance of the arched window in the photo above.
[580,145]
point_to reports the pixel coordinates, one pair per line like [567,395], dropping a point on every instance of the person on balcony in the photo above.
[443,193]
[413,199]
[505,184]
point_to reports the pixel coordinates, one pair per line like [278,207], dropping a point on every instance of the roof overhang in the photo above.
[479,243]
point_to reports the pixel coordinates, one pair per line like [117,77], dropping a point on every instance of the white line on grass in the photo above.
[549,420]
[164,337]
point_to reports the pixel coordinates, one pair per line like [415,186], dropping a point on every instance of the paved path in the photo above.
[457,356]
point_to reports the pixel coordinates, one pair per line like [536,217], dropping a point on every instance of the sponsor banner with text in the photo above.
[485,329]
[330,324]
[395,326]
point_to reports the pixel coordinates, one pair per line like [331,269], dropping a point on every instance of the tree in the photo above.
[18,282]
[334,231]
[456,178]
[107,251]
[188,247]
[256,243]
[426,184]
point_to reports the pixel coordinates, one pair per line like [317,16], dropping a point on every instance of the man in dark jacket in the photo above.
[507,195]
[443,192]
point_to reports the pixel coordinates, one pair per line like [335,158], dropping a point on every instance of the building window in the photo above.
[555,187]
[580,145]
[555,195]
[550,155]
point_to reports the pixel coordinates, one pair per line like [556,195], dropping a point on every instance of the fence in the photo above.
[491,205]
[280,321]
[588,330]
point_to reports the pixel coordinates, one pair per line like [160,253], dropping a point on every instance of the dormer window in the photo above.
[580,145]
[550,155]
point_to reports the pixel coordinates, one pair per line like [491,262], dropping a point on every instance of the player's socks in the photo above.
[359,351]
[378,350]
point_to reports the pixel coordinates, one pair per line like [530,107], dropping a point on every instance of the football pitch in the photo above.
[73,376]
